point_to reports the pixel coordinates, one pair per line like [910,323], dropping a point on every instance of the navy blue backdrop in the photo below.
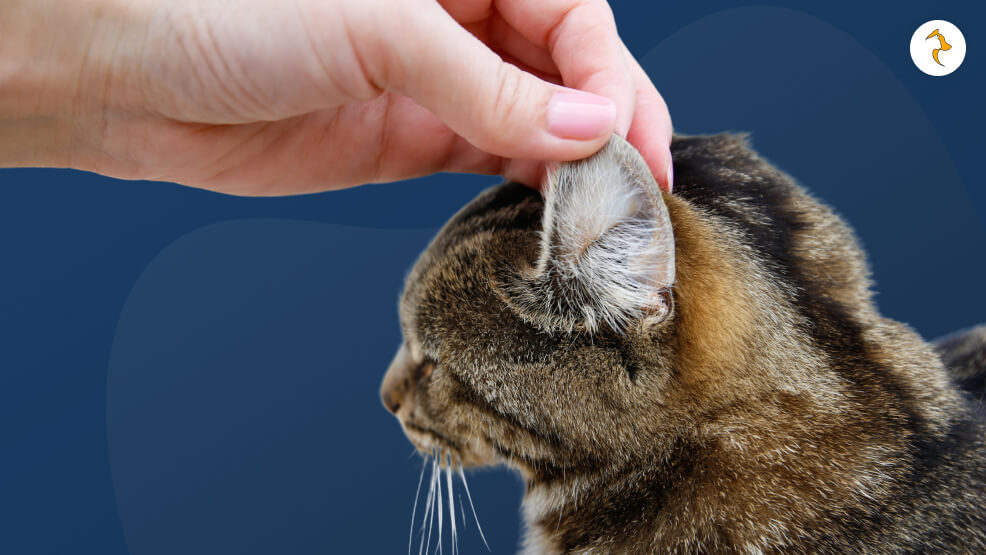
[186,372]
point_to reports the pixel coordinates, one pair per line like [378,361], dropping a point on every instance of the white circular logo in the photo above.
[937,47]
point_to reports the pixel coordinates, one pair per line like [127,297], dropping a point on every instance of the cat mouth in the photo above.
[429,441]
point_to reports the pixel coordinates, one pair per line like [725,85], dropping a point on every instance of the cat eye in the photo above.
[424,369]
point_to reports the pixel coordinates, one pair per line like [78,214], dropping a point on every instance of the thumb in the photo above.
[494,105]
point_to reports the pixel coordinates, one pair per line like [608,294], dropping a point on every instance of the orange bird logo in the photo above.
[944,45]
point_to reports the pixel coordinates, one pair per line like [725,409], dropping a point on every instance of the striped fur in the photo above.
[773,409]
[964,354]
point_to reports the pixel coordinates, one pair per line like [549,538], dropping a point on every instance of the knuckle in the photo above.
[508,100]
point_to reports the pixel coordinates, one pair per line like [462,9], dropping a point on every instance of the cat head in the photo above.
[608,322]
[517,317]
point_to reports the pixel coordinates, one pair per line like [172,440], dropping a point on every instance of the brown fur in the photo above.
[773,409]
[964,354]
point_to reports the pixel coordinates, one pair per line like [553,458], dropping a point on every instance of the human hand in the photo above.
[271,98]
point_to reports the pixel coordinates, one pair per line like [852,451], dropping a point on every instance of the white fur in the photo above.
[607,239]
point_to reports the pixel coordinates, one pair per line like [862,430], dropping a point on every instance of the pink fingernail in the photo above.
[670,173]
[623,129]
[580,115]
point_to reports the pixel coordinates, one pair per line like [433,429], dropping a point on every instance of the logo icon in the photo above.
[944,45]
[932,52]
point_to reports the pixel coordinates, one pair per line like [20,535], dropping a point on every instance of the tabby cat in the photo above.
[702,372]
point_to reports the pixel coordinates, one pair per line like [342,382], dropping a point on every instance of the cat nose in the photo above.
[391,400]
[397,381]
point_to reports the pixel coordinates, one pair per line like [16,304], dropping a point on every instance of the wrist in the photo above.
[56,64]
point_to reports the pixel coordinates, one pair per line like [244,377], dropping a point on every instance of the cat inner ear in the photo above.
[607,246]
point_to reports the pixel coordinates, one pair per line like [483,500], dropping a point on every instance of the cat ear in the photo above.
[607,246]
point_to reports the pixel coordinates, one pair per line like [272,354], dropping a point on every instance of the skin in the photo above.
[274,98]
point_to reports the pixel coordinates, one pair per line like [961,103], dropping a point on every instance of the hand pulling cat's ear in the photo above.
[607,246]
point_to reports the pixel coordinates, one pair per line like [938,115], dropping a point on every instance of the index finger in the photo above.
[582,39]
[651,130]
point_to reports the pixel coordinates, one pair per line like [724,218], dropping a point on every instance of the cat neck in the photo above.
[617,509]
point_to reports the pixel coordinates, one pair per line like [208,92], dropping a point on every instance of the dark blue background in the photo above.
[186,372]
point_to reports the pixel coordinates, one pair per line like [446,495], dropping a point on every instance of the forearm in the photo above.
[55,74]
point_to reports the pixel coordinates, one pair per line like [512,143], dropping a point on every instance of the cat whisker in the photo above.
[429,513]
[414,508]
[451,505]
[465,486]
[462,511]
[441,512]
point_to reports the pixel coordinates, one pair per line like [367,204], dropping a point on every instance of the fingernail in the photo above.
[622,129]
[670,173]
[580,115]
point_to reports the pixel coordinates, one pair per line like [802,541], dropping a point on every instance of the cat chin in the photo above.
[429,442]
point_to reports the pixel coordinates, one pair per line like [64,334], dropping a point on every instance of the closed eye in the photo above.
[423,370]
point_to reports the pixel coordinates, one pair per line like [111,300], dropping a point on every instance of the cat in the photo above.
[702,372]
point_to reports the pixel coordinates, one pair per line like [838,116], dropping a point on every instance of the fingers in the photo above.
[492,104]
[650,131]
[578,40]
[389,138]
[503,38]
[583,42]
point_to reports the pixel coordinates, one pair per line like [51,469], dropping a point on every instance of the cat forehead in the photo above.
[498,213]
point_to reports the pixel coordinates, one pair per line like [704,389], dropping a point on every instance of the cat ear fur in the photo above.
[607,245]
